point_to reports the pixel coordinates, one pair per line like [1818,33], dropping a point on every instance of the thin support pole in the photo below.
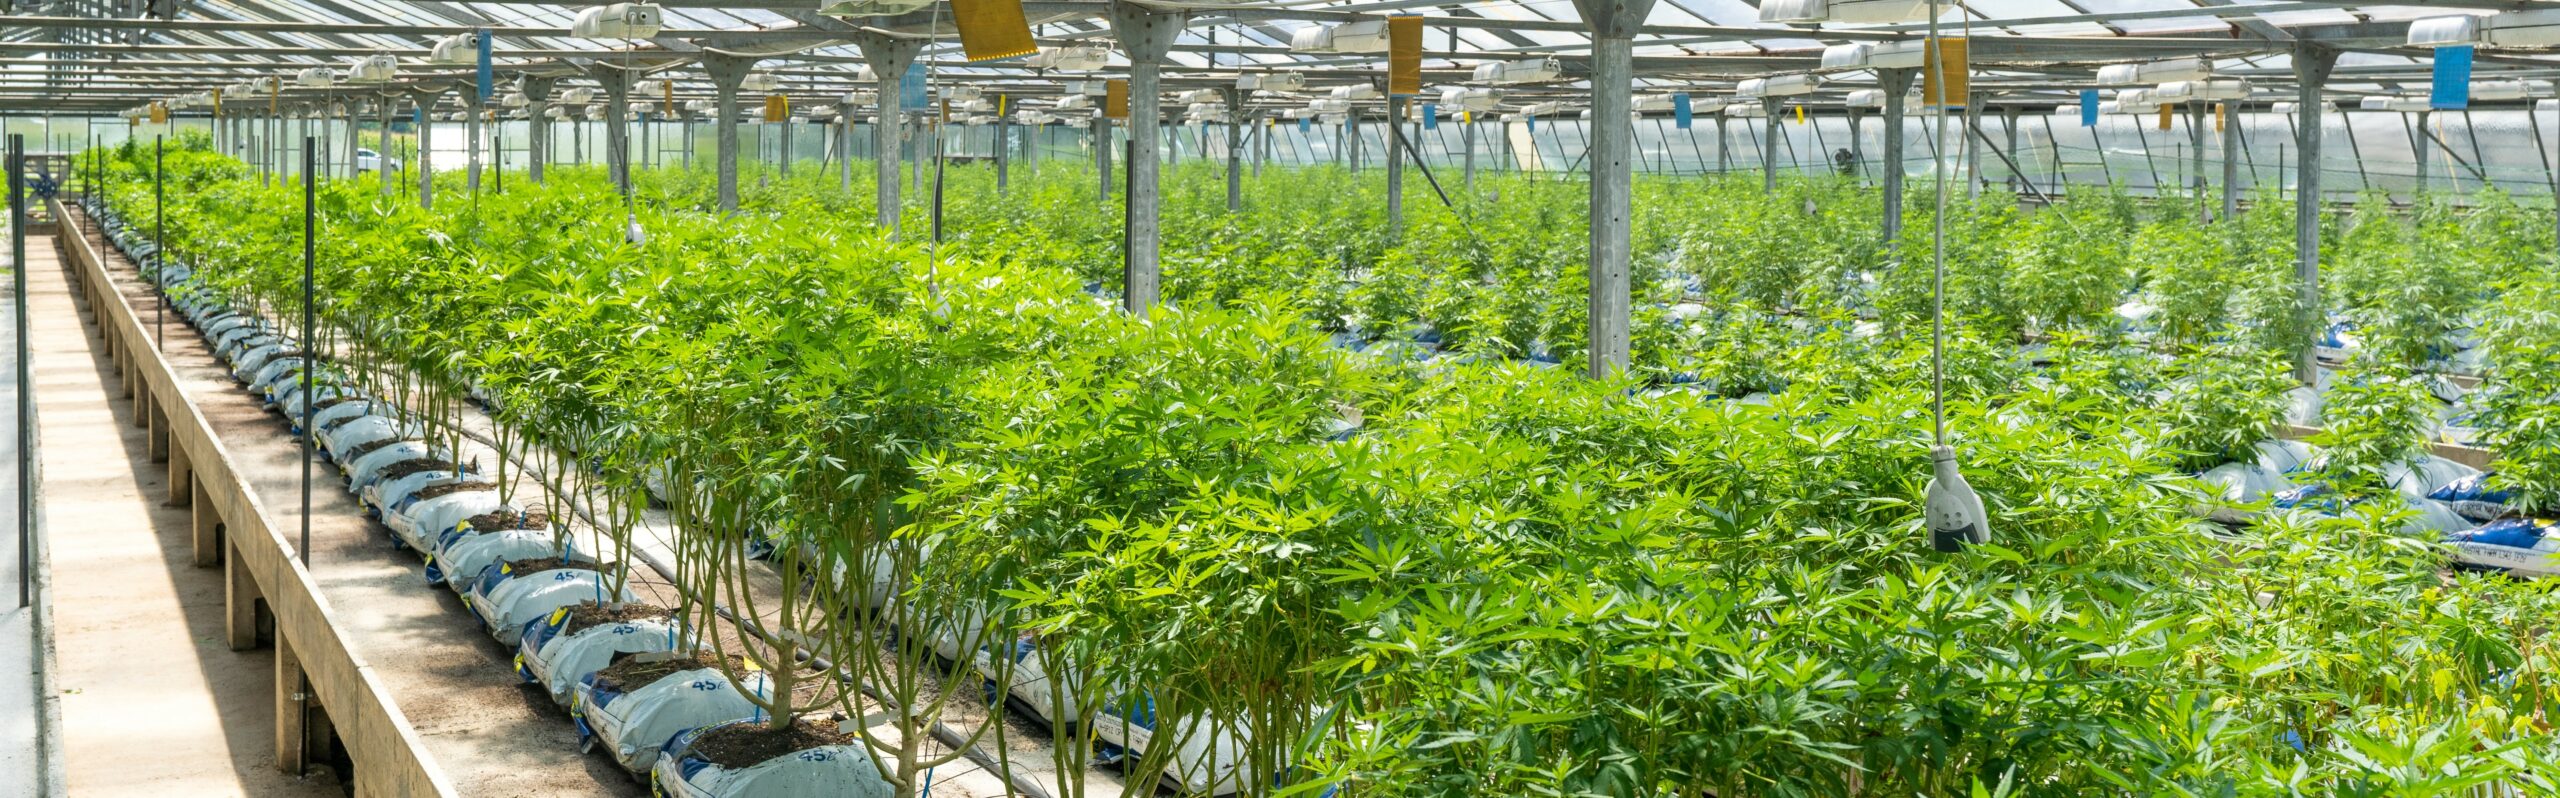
[310,339]
[26,379]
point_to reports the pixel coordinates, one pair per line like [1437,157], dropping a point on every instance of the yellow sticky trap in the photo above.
[667,95]
[1949,78]
[1404,54]
[217,102]
[159,114]
[2220,111]
[1799,114]
[992,29]
[2167,112]
[1115,99]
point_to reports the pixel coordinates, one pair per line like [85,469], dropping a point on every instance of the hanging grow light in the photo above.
[1272,81]
[1299,113]
[2134,98]
[596,112]
[870,8]
[1548,108]
[2172,70]
[760,82]
[1470,99]
[1876,55]
[2534,28]
[1089,88]
[1746,110]
[515,99]
[1329,105]
[1511,73]
[1071,58]
[618,21]
[1358,36]
[695,106]
[577,96]
[962,94]
[1654,103]
[1361,91]
[373,69]
[460,49]
[1847,12]
[2499,90]
[2389,103]
[1631,115]
[1874,98]
[1033,118]
[1075,102]
[860,98]
[1202,96]
[978,106]
[1778,86]
[2287,108]
[2202,90]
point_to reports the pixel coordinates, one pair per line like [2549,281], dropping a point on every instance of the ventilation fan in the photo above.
[618,21]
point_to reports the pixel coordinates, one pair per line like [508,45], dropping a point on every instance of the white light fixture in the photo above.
[1512,73]
[1849,12]
[2287,108]
[2534,28]
[1778,86]
[515,99]
[870,8]
[860,98]
[618,21]
[1074,102]
[1745,110]
[2204,90]
[1548,108]
[316,78]
[2169,71]
[1357,36]
[2388,103]
[696,106]
[1470,99]
[1361,91]
[1272,81]
[1329,105]
[459,49]
[1196,96]
[1033,118]
[1877,55]
[596,112]
[978,106]
[1299,113]
[2498,90]
[1655,103]
[1089,88]
[960,94]
[373,69]
[577,96]
[760,82]
[1071,58]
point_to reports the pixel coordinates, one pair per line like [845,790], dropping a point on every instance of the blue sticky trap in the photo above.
[1680,114]
[2453,78]
[487,76]
[1533,124]
[1305,124]
[911,87]
[2088,107]
[1430,116]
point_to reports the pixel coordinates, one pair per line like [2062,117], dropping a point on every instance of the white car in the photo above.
[369,161]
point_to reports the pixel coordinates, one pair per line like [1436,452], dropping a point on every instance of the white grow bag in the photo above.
[252,363]
[2521,546]
[835,771]
[2427,475]
[634,726]
[1028,683]
[366,471]
[421,523]
[342,411]
[462,557]
[384,495]
[346,437]
[506,602]
[1210,761]
[559,662]
[2233,488]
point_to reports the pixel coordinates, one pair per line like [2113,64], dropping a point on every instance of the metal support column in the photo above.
[2311,67]
[1395,166]
[1003,128]
[471,143]
[1235,149]
[889,59]
[1146,36]
[2230,161]
[537,94]
[617,122]
[727,72]
[1613,26]
[844,147]
[427,101]
[1467,139]
[1768,144]
[1897,90]
[2421,145]
[1101,137]
[2195,157]
[382,151]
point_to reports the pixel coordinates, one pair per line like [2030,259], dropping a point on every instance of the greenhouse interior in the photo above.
[1378,398]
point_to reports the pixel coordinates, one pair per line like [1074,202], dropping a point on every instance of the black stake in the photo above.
[160,244]
[310,226]
[26,381]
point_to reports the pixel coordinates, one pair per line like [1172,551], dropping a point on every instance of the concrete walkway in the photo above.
[27,760]
[153,702]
